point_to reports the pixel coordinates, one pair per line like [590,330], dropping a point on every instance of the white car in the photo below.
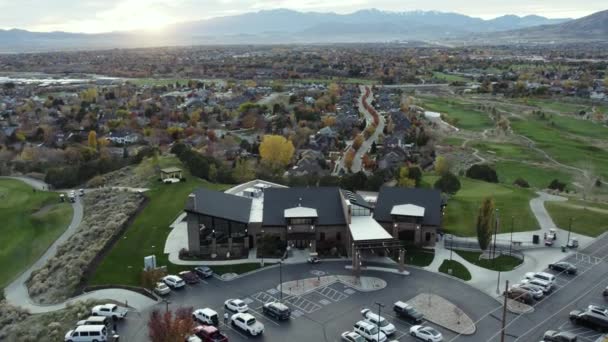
[247,322]
[174,281]
[545,286]
[236,305]
[385,326]
[428,334]
[109,310]
[351,336]
[544,276]
[535,291]
[369,331]
[162,289]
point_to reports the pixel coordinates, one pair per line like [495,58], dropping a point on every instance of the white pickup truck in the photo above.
[248,323]
[110,310]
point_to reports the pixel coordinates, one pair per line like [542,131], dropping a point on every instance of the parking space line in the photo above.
[229,326]
[332,294]
[263,316]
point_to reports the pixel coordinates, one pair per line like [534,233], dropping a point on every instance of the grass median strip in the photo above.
[503,263]
[458,270]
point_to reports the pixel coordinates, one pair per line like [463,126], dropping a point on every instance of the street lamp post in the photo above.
[495,233]
[451,246]
[281,280]
[569,230]
[380,306]
[512,223]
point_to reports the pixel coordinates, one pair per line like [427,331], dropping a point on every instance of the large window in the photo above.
[408,219]
[360,211]
[220,229]
[298,221]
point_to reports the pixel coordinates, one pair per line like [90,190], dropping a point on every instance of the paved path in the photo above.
[16,292]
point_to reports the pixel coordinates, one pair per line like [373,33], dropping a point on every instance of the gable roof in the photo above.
[222,205]
[326,200]
[429,199]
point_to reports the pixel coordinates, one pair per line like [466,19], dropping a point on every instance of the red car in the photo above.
[189,277]
[209,333]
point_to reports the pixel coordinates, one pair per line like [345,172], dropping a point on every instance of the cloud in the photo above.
[117,15]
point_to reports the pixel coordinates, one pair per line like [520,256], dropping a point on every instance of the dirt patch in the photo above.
[444,313]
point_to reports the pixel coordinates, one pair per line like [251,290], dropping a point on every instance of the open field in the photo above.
[449,77]
[587,221]
[148,233]
[507,150]
[30,222]
[468,117]
[462,209]
[537,176]
[566,149]
[454,141]
[166,81]
[557,105]
[503,263]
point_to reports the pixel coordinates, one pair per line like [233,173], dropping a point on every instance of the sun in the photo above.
[150,21]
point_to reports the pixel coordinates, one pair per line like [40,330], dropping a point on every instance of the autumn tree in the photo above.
[358,142]
[442,166]
[89,95]
[404,179]
[485,222]
[242,171]
[169,326]
[329,120]
[348,159]
[276,151]
[93,140]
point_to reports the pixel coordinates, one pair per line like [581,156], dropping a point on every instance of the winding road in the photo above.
[16,292]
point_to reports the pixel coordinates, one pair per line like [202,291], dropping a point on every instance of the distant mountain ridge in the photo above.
[285,26]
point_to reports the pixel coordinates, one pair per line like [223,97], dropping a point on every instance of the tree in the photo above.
[212,173]
[374,148]
[522,183]
[93,140]
[557,185]
[348,159]
[415,173]
[448,183]
[170,327]
[485,222]
[442,166]
[482,172]
[404,179]
[242,172]
[276,150]
[358,142]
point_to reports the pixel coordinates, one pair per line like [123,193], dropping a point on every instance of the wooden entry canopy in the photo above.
[368,234]
[171,172]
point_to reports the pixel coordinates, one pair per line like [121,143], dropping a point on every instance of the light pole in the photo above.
[512,223]
[451,246]
[495,233]
[380,306]
[281,280]
[569,230]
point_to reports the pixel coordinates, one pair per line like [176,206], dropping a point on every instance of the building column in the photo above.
[313,246]
[417,235]
[401,260]
[230,245]
[213,246]
[247,242]
[395,230]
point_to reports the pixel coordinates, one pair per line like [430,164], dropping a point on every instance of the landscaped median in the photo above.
[455,269]
[502,263]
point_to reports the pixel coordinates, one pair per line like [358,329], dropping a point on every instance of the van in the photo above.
[369,331]
[95,320]
[87,333]
[206,316]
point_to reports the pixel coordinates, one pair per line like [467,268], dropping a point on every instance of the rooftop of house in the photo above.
[389,197]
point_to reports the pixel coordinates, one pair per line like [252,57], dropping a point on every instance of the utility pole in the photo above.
[380,306]
[451,246]
[504,314]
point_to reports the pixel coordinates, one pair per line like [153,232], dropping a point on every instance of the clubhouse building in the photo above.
[230,223]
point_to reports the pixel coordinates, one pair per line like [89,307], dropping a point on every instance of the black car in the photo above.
[407,312]
[589,319]
[277,310]
[563,266]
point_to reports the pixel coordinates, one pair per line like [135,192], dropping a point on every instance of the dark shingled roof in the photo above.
[219,204]
[326,200]
[356,199]
[428,198]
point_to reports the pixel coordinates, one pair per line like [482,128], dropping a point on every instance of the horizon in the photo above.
[154,16]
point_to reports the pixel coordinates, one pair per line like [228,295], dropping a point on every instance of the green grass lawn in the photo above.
[462,209]
[449,77]
[537,176]
[507,150]
[458,269]
[26,230]
[556,105]
[564,148]
[166,81]
[586,221]
[148,233]
[503,263]
[468,116]
[419,256]
[454,141]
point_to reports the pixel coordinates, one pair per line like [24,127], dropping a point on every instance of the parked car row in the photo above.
[96,328]
[376,328]
[175,282]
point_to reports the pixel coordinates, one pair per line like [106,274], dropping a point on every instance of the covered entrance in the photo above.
[368,235]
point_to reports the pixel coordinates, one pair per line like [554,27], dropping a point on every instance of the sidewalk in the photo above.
[303,286]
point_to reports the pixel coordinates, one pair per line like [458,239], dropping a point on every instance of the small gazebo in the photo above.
[171,173]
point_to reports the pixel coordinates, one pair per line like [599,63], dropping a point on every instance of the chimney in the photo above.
[192,201]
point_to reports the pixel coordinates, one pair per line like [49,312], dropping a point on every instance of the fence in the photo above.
[501,248]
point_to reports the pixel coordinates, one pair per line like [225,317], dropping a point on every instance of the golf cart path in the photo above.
[16,292]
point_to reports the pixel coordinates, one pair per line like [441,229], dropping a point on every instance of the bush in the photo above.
[522,183]
[448,183]
[557,185]
[482,172]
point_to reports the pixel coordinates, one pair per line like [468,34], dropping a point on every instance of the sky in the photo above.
[94,16]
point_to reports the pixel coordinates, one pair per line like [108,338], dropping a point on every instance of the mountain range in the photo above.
[284,26]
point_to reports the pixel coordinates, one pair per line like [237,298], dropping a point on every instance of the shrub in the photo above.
[522,183]
[448,183]
[557,185]
[482,172]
